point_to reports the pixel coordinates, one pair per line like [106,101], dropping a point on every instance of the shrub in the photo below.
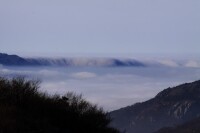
[23,109]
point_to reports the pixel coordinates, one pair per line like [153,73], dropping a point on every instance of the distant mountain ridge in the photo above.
[170,107]
[14,60]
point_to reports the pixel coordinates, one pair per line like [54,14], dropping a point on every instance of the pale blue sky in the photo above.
[59,27]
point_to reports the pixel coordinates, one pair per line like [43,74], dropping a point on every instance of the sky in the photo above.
[63,27]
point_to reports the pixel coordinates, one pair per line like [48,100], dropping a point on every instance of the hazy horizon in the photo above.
[139,56]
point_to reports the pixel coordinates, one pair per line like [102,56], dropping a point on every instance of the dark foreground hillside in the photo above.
[172,106]
[192,126]
[25,110]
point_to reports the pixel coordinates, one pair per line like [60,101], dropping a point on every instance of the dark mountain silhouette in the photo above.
[14,60]
[25,110]
[192,126]
[170,107]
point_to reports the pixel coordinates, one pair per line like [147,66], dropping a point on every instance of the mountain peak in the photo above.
[184,91]
[12,60]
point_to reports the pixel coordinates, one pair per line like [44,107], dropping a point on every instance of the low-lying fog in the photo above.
[109,87]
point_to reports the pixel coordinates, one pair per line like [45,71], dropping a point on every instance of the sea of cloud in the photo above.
[109,87]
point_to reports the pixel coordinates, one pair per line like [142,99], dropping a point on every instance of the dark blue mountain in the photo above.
[13,60]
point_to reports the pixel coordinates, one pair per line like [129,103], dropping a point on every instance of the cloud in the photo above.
[83,75]
[3,70]
[169,63]
[48,72]
[193,64]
